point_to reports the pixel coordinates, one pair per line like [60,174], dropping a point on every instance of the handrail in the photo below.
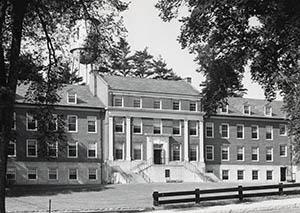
[191,167]
[124,174]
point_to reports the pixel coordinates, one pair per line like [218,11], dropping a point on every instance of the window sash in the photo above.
[225,174]
[11,150]
[225,153]
[72,174]
[92,124]
[31,148]
[31,122]
[209,127]
[52,174]
[157,104]
[224,130]
[282,150]
[32,174]
[254,132]
[193,106]
[282,129]
[72,150]
[209,153]
[176,152]
[137,103]
[240,174]
[254,174]
[176,105]
[240,131]
[92,173]
[72,123]
[118,101]
[269,174]
[193,153]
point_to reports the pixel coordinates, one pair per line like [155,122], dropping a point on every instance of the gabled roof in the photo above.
[180,87]
[236,107]
[84,97]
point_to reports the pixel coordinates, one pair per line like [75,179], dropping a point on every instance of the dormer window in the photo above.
[224,109]
[268,110]
[137,103]
[176,105]
[247,110]
[72,98]
[118,101]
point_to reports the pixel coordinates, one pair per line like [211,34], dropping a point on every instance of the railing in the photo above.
[191,167]
[199,195]
[118,169]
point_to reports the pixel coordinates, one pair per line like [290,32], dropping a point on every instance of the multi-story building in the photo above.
[79,161]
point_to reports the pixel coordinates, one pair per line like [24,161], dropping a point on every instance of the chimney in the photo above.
[188,79]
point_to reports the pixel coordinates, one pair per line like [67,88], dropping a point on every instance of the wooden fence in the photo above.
[239,192]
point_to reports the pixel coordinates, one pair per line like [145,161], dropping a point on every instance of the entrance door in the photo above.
[282,173]
[157,156]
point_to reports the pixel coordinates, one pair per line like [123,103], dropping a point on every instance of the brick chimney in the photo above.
[188,79]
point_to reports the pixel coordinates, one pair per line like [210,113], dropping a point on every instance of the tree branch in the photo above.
[3,7]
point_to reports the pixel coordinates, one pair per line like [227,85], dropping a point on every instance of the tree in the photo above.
[262,34]
[38,22]
[160,70]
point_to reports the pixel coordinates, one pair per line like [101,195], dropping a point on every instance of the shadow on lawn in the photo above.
[45,190]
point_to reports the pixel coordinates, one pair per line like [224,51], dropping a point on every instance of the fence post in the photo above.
[49,205]
[197,195]
[155,198]
[280,189]
[240,190]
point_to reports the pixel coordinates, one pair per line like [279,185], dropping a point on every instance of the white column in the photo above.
[186,141]
[128,138]
[149,150]
[110,138]
[201,141]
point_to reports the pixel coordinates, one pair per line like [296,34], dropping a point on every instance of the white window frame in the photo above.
[69,174]
[226,110]
[123,125]
[15,149]
[196,106]
[243,148]
[213,152]
[88,173]
[141,125]
[179,105]
[27,117]
[257,132]
[123,152]
[237,174]
[242,125]
[228,174]
[272,154]
[141,103]
[92,118]
[180,127]
[265,111]
[56,153]
[71,94]
[267,175]
[197,128]
[257,148]
[14,121]
[197,152]
[212,126]
[36,173]
[180,152]
[285,150]
[249,110]
[76,125]
[160,104]
[285,128]
[228,155]
[31,156]
[257,174]
[56,171]
[271,133]
[88,148]
[160,124]
[76,144]
[114,100]
[228,133]
[141,147]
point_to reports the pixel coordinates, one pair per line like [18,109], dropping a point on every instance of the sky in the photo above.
[146,29]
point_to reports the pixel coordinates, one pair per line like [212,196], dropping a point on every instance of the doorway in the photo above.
[157,156]
[283,171]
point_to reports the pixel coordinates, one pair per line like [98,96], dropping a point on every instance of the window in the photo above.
[14,124]
[176,127]
[72,150]
[11,149]
[31,148]
[224,109]
[72,123]
[240,153]
[269,154]
[209,129]
[268,110]
[254,132]
[254,153]
[254,174]
[137,151]
[176,105]
[73,174]
[137,126]
[72,98]
[247,110]
[176,152]
[11,174]
[282,130]
[240,131]
[269,175]
[157,104]
[193,106]
[118,101]
[31,122]
[269,132]
[282,150]
[193,153]
[137,103]
[119,125]
[92,150]
[240,174]
[92,174]
[32,174]
[53,149]
[52,174]
[157,127]
[53,124]
[193,128]
[92,124]
[119,153]
[225,174]
[209,152]
[225,153]
[224,130]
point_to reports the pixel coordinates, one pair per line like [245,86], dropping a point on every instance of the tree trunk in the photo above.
[8,99]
